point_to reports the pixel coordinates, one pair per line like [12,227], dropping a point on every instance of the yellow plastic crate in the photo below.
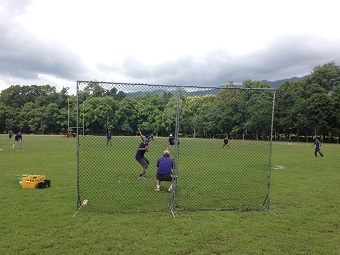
[31,181]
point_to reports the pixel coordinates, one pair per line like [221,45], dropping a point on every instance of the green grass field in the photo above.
[209,176]
[303,216]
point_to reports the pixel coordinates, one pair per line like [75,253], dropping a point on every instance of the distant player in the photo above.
[18,139]
[317,144]
[289,140]
[225,143]
[108,138]
[171,141]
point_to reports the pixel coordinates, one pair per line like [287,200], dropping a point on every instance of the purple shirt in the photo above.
[317,144]
[140,153]
[164,165]
[172,140]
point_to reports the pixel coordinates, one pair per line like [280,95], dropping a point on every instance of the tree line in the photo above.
[305,107]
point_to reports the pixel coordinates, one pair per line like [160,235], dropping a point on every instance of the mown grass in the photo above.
[209,176]
[303,216]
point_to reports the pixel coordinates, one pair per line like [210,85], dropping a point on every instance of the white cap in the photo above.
[166,152]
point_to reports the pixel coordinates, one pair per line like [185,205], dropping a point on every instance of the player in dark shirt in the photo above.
[140,156]
[317,145]
[18,139]
[164,166]
[171,141]
[225,142]
[289,140]
[108,138]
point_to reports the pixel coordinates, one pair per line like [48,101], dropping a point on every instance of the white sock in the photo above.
[158,186]
[170,188]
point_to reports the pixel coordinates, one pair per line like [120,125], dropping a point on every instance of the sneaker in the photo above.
[141,176]
[169,190]
[157,189]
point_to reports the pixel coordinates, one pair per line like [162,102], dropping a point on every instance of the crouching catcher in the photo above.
[164,165]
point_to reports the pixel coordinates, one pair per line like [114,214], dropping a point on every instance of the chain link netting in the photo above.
[222,149]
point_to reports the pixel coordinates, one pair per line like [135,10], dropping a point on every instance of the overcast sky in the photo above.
[177,42]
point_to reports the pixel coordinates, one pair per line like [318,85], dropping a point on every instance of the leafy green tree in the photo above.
[31,117]
[62,97]
[210,120]
[317,107]
[327,76]
[120,95]
[289,104]
[190,115]
[150,110]
[16,96]
[100,114]
[255,84]
[93,89]
[13,120]
[168,120]
[72,111]
[51,118]
[259,111]
[12,97]
[3,118]
[291,107]
[44,95]
[335,112]
[307,106]
[39,119]
[127,115]
[62,120]
[234,110]
[113,92]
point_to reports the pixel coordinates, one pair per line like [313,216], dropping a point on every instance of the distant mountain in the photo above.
[205,91]
[275,84]
[159,92]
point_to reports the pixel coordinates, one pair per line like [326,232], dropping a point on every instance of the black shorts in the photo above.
[164,177]
[144,162]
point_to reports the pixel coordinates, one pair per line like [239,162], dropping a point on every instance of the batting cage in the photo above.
[218,140]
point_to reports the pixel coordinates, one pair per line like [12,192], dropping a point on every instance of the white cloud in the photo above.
[169,42]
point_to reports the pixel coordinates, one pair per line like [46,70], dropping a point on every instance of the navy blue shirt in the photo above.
[140,153]
[164,165]
[317,144]
[18,137]
[172,140]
